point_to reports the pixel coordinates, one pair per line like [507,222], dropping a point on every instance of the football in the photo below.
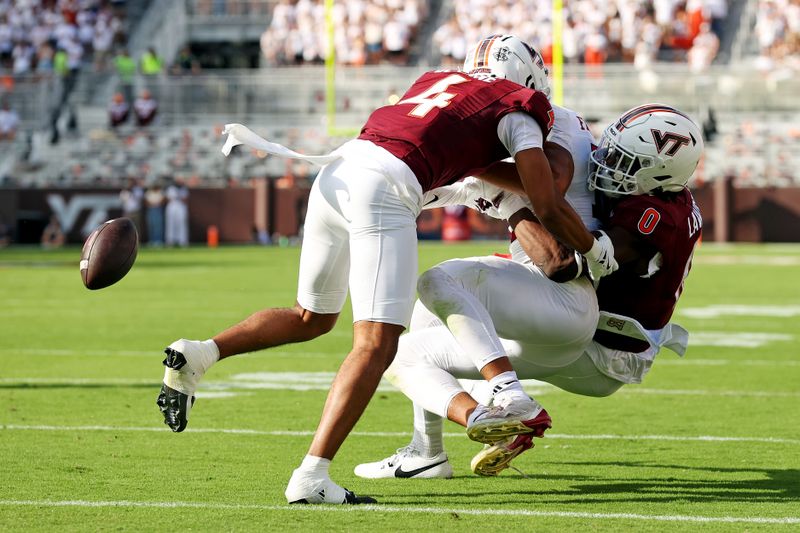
[109,252]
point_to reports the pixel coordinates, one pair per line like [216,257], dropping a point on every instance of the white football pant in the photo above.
[360,232]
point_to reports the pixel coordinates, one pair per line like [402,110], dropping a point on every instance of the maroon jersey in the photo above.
[667,227]
[445,127]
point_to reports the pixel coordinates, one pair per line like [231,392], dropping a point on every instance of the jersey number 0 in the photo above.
[436,96]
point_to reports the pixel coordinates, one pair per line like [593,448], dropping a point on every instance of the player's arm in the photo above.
[504,174]
[558,262]
[524,139]
[552,210]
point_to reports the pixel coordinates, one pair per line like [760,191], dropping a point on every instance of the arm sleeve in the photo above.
[454,194]
[478,195]
[519,131]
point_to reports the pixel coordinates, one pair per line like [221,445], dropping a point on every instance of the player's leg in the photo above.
[383,240]
[423,370]
[481,297]
[322,288]
[273,327]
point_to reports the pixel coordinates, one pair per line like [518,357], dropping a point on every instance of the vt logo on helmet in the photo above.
[650,149]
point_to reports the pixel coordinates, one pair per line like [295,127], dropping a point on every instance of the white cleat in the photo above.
[516,417]
[309,490]
[407,463]
[186,362]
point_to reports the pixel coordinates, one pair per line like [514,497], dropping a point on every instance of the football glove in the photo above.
[600,257]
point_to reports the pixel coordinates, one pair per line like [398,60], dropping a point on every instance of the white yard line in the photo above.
[315,381]
[282,433]
[154,354]
[403,509]
[737,260]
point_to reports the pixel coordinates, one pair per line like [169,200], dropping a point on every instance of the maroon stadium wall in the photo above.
[749,215]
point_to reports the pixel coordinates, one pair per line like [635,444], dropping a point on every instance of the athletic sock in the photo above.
[506,385]
[505,381]
[427,438]
[210,354]
[315,466]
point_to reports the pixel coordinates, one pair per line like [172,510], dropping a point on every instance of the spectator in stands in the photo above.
[185,62]
[364,31]
[9,122]
[126,71]
[53,236]
[118,111]
[150,63]
[102,41]
[154,200]
[704,49]
[131,198]
[145,108]
[177,214]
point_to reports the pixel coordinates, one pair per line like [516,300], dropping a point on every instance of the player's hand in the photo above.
[600,257]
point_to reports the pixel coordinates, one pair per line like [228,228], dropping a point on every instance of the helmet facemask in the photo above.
[612,169]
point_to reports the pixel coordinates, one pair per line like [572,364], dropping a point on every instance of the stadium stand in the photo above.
[366,32]
[756,140]
[777,31]
[595,32]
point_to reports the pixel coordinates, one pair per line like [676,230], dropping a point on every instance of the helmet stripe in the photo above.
[637,112]
[482,51]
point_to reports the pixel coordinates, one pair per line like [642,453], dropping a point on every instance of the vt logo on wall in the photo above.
[69,211]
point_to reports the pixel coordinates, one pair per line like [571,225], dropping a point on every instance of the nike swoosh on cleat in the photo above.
[411,473]
[435,199]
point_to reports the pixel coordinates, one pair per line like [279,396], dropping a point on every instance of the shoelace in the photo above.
[399,453]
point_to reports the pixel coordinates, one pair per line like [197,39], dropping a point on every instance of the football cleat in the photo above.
[175,407]
[495,458]
[407,463]
[304,491]
[517,417]
[184,368]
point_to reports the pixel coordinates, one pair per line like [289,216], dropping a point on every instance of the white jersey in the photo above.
[570,132]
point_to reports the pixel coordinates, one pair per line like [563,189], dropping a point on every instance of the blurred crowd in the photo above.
[757,151]
[594,31]
[778,34]
[45,36]
[365,32]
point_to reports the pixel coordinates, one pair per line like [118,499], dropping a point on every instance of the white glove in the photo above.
[600,257]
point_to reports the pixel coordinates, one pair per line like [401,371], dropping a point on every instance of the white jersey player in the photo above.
[552,324]
[485,298]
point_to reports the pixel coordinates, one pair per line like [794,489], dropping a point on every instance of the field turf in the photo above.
[708,442]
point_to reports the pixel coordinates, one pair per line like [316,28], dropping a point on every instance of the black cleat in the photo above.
[175,407]
[350,498]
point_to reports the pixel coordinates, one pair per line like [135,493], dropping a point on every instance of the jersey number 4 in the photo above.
[436,96]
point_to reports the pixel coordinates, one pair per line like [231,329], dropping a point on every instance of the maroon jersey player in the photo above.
[360,235]
[640,174]
[451,132]
[659,233]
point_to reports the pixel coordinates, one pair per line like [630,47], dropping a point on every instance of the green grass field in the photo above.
[710,442]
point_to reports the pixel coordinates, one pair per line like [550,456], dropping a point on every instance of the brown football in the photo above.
[109,252]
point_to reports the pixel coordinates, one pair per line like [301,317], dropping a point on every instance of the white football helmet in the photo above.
[649,149]
[506,56]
